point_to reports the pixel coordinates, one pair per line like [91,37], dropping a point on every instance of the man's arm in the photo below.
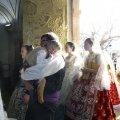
[41,57]
[41,71]
[33,72]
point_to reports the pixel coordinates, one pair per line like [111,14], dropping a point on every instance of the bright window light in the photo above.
[100,15]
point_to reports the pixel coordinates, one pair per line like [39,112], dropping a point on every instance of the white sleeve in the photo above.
[75,73]
[34,72]
[41,57]
[41,71]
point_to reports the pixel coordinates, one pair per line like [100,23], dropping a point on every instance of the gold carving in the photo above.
[29,8]
[51,16]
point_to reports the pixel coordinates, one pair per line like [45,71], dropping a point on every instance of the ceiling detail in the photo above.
[9,9]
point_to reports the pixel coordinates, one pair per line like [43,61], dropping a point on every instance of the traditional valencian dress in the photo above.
[72,67]
[87,102]
[113,90]
[17,107]
[114,86]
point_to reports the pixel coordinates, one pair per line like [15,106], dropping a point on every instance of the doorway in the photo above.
[10,42]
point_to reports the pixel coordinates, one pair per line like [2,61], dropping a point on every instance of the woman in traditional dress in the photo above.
[17,107]
[72,66]
[90,98]
[114,86]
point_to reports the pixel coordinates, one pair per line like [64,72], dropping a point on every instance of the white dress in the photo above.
[1,108]
[72,66]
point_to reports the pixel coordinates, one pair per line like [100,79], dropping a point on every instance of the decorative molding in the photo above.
[11,13]
[5,13]
[46,16]
[5,9]
[12,7]
[30,8]
[7,20]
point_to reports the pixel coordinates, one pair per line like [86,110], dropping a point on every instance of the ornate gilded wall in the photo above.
[41,16]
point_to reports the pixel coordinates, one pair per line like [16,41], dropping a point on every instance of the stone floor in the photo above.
[117,112]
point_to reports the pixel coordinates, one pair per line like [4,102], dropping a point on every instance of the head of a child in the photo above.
[53,46]
[25,49]
[45,38]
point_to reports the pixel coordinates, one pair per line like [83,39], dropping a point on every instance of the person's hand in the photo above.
[28,86]
[53,52]
[51,55]
[26,98]
[85,70]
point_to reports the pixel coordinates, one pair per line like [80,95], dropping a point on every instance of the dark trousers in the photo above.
[37,112]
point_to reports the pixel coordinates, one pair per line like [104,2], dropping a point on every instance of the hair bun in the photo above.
[92,39]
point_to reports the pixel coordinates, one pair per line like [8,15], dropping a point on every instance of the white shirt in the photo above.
[41,57]
[44,67]
[41,63]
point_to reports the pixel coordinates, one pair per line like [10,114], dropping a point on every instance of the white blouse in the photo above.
[72,65]
[44,67]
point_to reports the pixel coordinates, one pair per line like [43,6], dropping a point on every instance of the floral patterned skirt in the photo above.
[17,108]
[103,107]
[114,94]
[87,103]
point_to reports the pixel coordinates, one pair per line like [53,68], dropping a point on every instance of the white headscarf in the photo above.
[102,78]
[78,64]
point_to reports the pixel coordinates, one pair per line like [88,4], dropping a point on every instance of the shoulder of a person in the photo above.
[77,56]
[35,50]
[98,55]
[42,50]
[74,56]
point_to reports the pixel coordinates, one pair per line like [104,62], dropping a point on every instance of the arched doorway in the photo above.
[10,42]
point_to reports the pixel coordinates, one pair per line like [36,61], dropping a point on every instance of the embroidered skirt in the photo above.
[87,103]
[17,108]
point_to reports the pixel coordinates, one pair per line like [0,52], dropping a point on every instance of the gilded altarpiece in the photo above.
[41,16]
